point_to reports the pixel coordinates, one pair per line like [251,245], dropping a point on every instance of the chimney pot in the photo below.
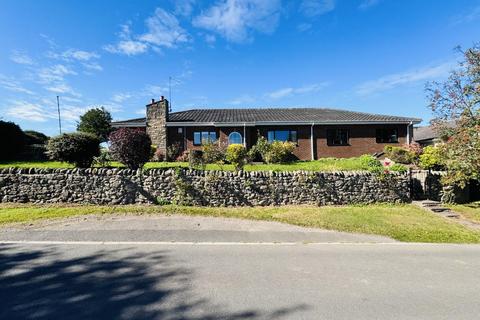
[153,101]
[162,98]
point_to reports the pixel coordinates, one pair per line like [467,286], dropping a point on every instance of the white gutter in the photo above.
[244,135]
[408,132]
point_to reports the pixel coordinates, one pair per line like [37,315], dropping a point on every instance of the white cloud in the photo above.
[365,4]
[302,27]
[398,79]
[93,66]
[184,7]
[236,20]
[62,88]
[55,73]
[127,47]
[28,111]
[21,58]
[121,97]
[313,8]
[291,91]
[472,15]
[80,55]
[164,30]
[13,85]
[243,99]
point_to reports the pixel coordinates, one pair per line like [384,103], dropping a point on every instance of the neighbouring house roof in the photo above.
[265,116]
[429,132]
[424,133]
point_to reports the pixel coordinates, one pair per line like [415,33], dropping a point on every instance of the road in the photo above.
[154,279]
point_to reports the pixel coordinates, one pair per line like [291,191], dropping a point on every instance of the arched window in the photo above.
[235,138]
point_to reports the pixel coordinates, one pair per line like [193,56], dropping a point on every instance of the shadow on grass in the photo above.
[43,284]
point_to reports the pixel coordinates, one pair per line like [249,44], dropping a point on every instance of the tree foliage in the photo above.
[96,121]
[35,137]
[132,147]
[12,141]
[457,100]
[78,148]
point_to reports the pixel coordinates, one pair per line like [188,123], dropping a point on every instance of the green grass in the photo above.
[325,164]
[470,211]
[402,222]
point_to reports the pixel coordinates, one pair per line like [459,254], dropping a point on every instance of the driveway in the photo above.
[55,270]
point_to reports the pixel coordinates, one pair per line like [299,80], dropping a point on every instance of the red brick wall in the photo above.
[362,139]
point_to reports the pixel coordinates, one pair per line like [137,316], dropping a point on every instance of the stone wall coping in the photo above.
[186,171]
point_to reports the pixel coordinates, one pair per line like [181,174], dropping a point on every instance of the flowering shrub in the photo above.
[400,154]
[237,155]
[132,147]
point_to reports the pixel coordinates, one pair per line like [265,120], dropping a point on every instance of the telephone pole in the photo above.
[59,118]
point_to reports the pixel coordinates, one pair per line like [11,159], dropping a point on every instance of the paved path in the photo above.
[69,279]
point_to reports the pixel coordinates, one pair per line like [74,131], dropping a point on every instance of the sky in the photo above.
[364,55]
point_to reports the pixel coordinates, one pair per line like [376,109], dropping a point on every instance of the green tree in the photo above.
[457,100]
[96,121]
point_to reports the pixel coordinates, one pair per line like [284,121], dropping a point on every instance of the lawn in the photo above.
[470,211]
[325,164]
[402,222]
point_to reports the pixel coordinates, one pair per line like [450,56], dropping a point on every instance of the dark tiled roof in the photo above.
[424,133]
[280,115]
[317,115]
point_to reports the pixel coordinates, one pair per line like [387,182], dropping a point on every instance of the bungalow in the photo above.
[317,132]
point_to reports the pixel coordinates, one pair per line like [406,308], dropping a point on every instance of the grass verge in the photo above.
[325,164]
[401,222]
[470,211]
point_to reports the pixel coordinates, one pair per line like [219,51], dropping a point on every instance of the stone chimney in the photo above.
[157,117]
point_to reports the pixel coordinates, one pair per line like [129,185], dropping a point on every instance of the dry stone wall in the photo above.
[195,187]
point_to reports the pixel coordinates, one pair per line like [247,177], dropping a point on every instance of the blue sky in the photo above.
[365,55]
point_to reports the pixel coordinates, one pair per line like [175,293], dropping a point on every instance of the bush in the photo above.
[12,141]
[77,148]
[368,162]
[214,152]
[195,159]
[104,159]
[132,147]
[279,152]
[399,154]
[35,137]
[237,155]
[397,167]
[34,152]
[173,151]
[431,158]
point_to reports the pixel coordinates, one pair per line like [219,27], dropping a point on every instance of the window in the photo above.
[235,138]
[202,137]
[387,136]
[282,135]
[337,137]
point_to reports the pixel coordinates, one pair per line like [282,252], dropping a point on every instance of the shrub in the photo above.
[35,137]
[184,156]
[399,154]
[431,158]
[96,121]
[104,159]
[237,155]
[279,152]
[173,151]
[397,167]
[368,162]
[195,159]
[12,141]
[132,147]
[259,150]
[214,152]
[78,148]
